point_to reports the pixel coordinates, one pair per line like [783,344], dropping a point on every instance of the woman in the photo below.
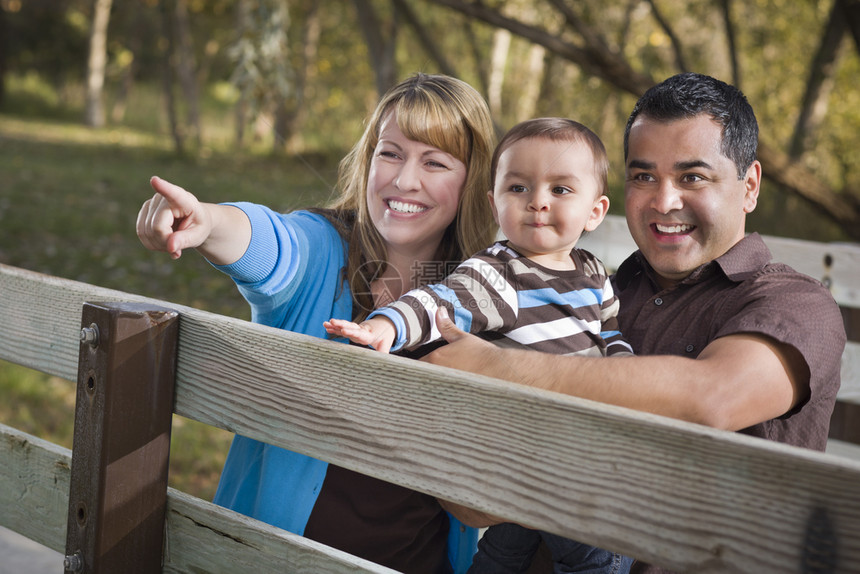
[412,202]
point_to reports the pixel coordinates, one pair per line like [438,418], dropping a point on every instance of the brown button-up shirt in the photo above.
[741,292]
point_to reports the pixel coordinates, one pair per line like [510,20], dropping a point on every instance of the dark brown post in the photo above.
[118,491]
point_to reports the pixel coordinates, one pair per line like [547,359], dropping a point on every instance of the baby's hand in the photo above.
[377,332]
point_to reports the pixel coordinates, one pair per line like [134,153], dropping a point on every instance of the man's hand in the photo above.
[465,351]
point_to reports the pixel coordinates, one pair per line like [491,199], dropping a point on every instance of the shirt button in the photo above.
[690,348]
[658,301]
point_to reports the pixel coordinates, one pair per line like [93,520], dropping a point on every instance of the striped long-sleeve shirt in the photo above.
[498,291]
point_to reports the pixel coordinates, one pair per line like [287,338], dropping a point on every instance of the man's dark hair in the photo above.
[687,95]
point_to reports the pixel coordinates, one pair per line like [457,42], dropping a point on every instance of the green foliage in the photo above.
[841,132]
[37,404]
[71,197]
[197,454]
[31,95]
[46,35]
[261,53]
[68,207]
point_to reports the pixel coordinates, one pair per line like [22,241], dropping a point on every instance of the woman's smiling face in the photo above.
[413,190]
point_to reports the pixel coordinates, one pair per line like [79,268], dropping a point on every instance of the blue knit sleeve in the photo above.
[292,272]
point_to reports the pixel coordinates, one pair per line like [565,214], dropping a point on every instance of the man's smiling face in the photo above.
[684,202]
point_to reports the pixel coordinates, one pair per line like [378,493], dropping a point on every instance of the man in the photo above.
[746,345]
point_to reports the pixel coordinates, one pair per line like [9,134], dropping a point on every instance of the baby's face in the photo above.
[546,194]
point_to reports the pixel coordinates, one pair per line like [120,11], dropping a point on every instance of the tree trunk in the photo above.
[425,38]
[851,10]
[677,48]
[594,57]
[4,54]
[125,86]
[478,55]
[498,60]
[128,61]
[283,99]
[95,108]
[531,91]
[243,17]
[820,83]
[843,208]
[726,8]
[306,74]
[380,43]
[185,70]
[169,97]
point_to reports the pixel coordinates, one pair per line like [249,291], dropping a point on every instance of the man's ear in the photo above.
[752,185]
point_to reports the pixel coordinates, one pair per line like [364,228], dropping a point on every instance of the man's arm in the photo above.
[470,516]
[737,381]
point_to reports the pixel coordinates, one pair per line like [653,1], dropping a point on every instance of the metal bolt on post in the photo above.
[74,563]
[90,335]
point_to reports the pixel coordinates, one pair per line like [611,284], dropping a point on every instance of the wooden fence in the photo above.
[681,495]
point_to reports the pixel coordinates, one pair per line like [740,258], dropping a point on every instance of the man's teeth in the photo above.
[673,228]
[402,207]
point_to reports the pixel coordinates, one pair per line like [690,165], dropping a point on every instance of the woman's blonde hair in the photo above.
[436,110]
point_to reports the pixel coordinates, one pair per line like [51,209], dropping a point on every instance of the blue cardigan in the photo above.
[291,277]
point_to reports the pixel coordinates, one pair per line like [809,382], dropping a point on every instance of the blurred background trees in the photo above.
[258,100]
[298,76]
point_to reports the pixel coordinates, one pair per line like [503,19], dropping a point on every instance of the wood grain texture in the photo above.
[203,537]
[34,487]
[200,537]
[681,495]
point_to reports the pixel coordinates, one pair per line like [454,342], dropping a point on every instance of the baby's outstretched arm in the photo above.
[377,332]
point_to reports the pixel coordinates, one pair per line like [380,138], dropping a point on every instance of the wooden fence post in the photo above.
[123,413]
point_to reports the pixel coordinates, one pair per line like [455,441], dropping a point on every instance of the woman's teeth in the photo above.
[402,207]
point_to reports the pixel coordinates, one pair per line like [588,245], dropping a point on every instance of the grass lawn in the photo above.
[69,197]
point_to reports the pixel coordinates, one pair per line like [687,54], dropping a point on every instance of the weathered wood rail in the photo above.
[677,494]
